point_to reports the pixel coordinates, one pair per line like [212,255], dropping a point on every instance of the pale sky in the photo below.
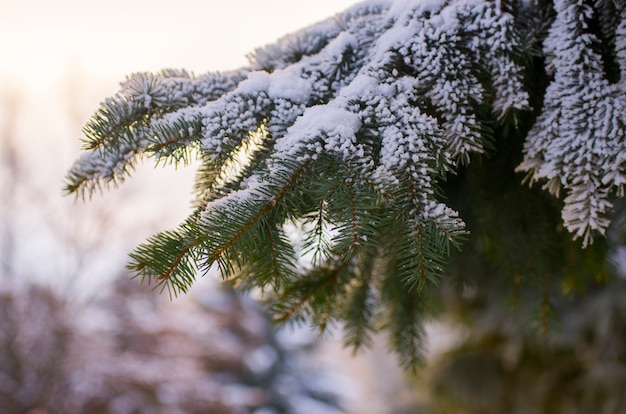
[41,38]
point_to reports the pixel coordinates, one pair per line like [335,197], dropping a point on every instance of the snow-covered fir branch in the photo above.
[350,127]
[579,140]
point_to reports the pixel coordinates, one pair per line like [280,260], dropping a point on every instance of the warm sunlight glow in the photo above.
[40,39]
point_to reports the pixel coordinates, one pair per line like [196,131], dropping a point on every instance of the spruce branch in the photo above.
[578,140]
[362,304]
[312,294]
[355,131]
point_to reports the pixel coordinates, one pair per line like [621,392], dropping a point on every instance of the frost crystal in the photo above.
[578,142]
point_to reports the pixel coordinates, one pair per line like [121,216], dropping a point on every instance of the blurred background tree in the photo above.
[500,367]
[133,353]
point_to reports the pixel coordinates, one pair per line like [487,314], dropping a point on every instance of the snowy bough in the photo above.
[348,131]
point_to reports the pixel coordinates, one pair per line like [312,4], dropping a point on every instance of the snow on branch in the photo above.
[578,142]
[349,126]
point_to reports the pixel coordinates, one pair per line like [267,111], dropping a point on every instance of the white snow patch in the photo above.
[393,39]
[289,85]
[318,120]
[256,82]
[404,7]
[338,45]
[360,86]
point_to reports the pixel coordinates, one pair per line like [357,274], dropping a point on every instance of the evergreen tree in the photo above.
[132,353]
[394,139]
